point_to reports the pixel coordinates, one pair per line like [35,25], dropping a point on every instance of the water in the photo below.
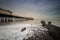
[38,21]
[13,31]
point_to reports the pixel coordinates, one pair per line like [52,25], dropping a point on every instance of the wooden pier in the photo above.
[6,16]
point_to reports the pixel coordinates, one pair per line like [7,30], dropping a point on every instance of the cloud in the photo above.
[34,8]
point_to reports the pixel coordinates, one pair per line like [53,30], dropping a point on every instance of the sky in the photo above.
[33,8]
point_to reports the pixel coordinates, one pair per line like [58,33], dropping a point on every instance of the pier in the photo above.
[7,16]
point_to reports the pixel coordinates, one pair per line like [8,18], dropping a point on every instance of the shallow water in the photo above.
[13,31]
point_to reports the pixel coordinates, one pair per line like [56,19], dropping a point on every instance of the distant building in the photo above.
[3,11]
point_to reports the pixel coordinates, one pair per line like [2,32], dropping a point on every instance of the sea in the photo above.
[12,31]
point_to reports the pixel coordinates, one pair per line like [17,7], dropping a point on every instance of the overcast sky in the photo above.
[33,8]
